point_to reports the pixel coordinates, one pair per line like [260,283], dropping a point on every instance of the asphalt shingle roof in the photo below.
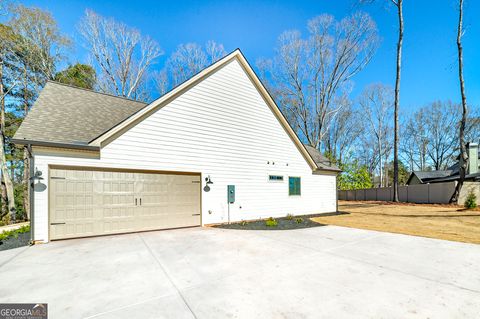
[70,115]
[426,175]
[321,161]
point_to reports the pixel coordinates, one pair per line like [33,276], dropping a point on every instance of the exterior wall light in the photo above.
[37,176]
[39,186]
[209,182]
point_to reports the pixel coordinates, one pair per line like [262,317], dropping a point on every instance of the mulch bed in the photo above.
[284,223]
[22,239]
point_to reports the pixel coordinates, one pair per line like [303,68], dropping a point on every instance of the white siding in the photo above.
[222,127]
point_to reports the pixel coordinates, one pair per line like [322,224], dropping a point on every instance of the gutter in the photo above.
[31,192]
[335,170]
[55,144]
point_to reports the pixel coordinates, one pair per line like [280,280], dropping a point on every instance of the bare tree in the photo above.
[432,130]
[367,154]
[343,135]
[463,121]
[472,126]
[161,82]
[399,8]
[376,103]
[413,146]
[121,54]
[308,75]
[440,122]
[399,5]
[42,37]
[214,51]
[430,135]
[187,60]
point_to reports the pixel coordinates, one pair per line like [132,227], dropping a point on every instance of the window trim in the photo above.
[299,186]
[275,180]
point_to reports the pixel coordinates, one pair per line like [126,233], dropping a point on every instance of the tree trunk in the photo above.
[463,148]
[4,207]
[387,184]
[4,197]
[3,162]
[397,99]
[379,145]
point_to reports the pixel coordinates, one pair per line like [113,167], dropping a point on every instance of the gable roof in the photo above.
[95,123]
[68,115]
[426,176]
[237,55]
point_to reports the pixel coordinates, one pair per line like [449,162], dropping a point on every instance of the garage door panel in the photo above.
[88,203]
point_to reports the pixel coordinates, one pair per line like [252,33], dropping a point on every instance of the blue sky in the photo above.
[429,63]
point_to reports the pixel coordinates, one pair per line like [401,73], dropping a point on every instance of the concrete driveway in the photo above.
[322,272]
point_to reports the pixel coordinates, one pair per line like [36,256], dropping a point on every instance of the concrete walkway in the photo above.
[322,272]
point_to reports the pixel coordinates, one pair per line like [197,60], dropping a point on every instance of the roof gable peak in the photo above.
[111,134]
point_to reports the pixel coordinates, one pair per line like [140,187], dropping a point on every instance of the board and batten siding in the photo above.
[220,128]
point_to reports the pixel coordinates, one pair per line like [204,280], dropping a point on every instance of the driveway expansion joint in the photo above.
[159,263]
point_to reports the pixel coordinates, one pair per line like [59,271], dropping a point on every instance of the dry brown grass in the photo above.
[434,221]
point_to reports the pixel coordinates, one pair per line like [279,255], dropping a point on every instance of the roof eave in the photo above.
[334,170]
[55,144]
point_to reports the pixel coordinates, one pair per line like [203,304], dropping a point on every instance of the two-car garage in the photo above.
[91,202]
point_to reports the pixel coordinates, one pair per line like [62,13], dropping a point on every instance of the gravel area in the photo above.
[12,242]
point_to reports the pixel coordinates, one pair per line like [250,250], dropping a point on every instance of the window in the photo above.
[294,186]
[275,177]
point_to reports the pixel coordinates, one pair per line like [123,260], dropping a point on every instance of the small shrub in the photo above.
[271,222]
[299,220]
[471,201]
[289,217]
[14,233]
[243,223]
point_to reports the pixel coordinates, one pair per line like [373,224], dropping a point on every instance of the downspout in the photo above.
[31,193]
[336,191]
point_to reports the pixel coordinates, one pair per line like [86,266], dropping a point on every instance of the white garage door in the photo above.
[97,202]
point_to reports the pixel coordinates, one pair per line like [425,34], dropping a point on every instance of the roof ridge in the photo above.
[96,92]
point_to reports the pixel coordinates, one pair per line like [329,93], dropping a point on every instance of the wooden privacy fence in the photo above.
[436,193]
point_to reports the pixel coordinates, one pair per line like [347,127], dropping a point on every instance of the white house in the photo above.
[104,164]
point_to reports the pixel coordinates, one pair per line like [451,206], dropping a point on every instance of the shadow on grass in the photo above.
[420,216]
[359,205]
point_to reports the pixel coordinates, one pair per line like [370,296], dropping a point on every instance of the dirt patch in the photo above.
[448,222]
